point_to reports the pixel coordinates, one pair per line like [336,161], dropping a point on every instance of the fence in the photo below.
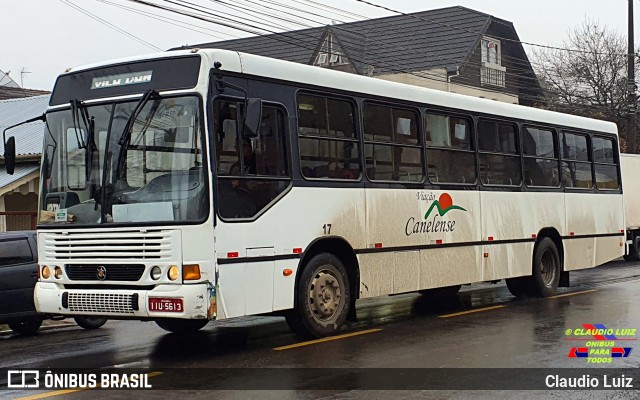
[18,220]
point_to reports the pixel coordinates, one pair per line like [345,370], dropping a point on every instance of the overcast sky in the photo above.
[44,37]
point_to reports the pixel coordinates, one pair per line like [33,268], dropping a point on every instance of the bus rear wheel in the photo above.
[323,297]
[182,326]
[519,286]
[546,268]
[634,250]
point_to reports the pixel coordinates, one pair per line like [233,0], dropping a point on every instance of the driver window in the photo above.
[252,172]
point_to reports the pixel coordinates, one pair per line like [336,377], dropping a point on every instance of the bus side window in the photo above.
[576,161]
[499,154]
[392,148]
[327,140]
[251,172]
[606,167]
[450,152]
[540,157]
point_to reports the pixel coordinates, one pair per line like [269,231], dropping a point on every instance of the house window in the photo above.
[330,53]
[490,51]
[492,73]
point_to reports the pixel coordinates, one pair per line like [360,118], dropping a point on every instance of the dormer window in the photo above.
[492,73]
[330,53]
[491,51]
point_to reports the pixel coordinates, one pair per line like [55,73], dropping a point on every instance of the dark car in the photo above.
[18,276]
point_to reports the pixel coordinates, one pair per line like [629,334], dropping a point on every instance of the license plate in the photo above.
[159,304]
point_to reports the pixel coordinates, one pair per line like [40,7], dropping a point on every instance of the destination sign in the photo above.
[102,82]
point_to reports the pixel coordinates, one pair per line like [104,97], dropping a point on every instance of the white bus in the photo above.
[209,184]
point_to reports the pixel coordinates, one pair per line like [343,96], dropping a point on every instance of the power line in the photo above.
[171,21]
[107,23]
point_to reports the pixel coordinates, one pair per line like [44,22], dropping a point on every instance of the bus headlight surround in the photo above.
[46,272]
[156,273]
[174,273]
[57,272]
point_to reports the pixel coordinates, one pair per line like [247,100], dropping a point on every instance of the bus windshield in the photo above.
[110,163]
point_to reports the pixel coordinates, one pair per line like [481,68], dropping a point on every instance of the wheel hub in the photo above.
[325,294]
[547,268]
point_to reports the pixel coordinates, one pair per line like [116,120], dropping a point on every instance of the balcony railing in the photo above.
[492,75]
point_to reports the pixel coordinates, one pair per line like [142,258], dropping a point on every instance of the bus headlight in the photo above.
[156,273]
[57,272]
[174,273]
[46,272]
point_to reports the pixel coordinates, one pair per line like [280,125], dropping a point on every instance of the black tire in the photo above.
[323,298]
[182,326]
[634,250]
[90,323]
[442,292]
[519,286]
[26,326]
[546,268]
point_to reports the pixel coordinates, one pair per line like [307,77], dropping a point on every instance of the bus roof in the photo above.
[310,75]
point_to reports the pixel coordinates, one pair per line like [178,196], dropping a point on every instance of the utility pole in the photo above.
[631,85]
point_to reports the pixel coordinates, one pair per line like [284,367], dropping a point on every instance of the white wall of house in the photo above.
[437,79]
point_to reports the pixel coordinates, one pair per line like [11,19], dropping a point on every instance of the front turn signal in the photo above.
[191,272]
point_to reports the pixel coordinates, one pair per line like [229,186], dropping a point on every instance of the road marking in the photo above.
[572,294]
[50,394]
[470,311]
[327,339]
[67,391]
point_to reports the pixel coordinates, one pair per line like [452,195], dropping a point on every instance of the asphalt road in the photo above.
[482,327]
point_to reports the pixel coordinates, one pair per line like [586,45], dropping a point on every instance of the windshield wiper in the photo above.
[80,112]
[75,118]
[126,133]
[104,192]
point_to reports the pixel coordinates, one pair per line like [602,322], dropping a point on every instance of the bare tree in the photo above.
[588,76]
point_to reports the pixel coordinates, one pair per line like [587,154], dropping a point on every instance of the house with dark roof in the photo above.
[454,49]
[19,192]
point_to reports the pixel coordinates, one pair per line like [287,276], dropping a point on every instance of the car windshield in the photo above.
[109,163]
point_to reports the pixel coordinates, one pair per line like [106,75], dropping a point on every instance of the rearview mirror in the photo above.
[10,155]
[253,118]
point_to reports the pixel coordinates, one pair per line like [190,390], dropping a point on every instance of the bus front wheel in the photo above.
[182,326]
[322,298]
[546,268]
[26,326]
[90,323]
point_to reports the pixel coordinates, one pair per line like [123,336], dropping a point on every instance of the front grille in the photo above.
[88,286]
[95,245]
[102,303]
[122,273]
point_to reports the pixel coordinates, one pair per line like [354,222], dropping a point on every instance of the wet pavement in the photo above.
[405,331]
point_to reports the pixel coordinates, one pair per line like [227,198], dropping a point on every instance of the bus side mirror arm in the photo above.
[10,144]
